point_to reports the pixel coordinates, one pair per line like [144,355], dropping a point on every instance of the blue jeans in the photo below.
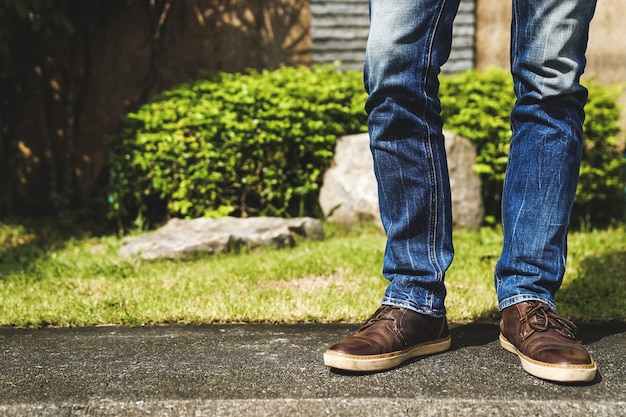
[409,42]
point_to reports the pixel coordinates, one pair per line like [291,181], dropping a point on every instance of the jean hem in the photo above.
[520,298]
[436,313]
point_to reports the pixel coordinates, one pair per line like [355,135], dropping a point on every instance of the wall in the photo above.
[339,30]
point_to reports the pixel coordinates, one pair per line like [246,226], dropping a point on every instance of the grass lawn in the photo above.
[52,277]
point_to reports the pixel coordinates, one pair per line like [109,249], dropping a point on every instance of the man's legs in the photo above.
[549,39]
[409,41]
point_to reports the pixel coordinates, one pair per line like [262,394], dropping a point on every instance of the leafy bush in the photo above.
[600,193]
[477,106]
[259,143]
[235,144]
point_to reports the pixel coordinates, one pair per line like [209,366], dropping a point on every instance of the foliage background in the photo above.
[258,143]
[68,69]
[71,69]
[235,144]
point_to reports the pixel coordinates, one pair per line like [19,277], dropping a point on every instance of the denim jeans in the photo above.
[409,42]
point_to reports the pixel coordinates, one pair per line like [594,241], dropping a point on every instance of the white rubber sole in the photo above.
[552,372]
[364,363]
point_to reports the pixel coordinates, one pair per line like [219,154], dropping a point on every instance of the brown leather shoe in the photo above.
[391,336]
[545,343]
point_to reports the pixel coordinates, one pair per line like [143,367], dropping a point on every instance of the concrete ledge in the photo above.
[323,406]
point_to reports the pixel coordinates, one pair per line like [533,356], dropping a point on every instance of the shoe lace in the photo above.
[546,318]
[380,315]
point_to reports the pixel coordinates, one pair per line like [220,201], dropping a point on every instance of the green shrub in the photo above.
[235,144]
[259,144]
[477,106]
[600,193]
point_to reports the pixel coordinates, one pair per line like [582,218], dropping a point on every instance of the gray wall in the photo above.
[339,31]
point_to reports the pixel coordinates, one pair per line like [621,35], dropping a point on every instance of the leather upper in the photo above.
[541,334]
[392,329]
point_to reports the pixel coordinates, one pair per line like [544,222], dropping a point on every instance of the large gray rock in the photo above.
[467,203]
[350,193]
[179,238]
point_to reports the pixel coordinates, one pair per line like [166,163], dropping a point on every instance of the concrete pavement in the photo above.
[277,370]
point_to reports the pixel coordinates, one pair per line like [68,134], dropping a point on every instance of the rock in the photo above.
[467,203]
[179,238]
[349,192]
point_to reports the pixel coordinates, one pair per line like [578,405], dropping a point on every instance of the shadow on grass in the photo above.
[25,243]
[598,293]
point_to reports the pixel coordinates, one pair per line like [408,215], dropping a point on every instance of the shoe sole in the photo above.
[364,363]
[550,371]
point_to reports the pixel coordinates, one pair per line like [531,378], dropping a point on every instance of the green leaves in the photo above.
[259,143]
[600,193]
[240,144]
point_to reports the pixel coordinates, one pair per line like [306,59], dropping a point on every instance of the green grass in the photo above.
[52,277]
